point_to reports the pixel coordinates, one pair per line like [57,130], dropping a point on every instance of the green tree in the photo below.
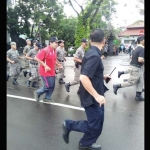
[88,17]
[36,11]
[66,31]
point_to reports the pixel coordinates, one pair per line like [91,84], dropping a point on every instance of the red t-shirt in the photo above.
[48,56]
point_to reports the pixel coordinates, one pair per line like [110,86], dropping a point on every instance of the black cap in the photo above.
[54,39]
[140,38]
[84,40]
[38,45]
[35,41]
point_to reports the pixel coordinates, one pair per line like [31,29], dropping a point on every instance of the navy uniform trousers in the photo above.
[91,128]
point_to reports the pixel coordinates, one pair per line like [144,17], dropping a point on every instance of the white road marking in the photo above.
[57,104]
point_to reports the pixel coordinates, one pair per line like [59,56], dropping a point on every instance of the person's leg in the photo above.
[76,79]
[123,72]
[50,83]
[61,70]
[92,127]
[40,91]
[139,87]
[14,72]
[133,79]
[18,70]
[37,78]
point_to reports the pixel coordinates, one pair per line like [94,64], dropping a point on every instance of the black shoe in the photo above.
[34,84]
[116,87]
[92,147]
[29,74]
[61,81]
[139,97]
[36,96]
[65,133]
[25,73]
[125,80]
[15,82]
[120,73]
[67,86]
[28,83]
[7,77]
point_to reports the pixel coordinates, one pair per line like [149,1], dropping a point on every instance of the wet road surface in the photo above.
[37,126]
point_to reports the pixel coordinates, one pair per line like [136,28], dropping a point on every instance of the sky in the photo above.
[124,15]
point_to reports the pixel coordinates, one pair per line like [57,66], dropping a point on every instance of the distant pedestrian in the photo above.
[33,66]
[27,48]
[15,68]
[60,51]
[106,50]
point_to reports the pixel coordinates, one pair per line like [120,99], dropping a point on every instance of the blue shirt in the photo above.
[92,67]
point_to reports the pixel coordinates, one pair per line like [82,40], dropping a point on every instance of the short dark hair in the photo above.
[97,35]
[140,38]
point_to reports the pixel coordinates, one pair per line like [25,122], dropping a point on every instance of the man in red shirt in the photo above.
[47,60]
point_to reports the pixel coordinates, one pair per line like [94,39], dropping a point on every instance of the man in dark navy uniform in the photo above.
[92,91]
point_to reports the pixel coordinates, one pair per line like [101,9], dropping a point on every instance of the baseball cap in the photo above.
[38,45]
[140,38]
[35,41]
[28,40]
[61,41]
[13,43]
[84,40]
[54,39]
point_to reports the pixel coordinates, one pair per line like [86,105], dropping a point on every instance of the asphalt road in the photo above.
[38,126]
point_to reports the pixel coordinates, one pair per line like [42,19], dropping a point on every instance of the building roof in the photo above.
[137,24]
[133,29]
[131,32]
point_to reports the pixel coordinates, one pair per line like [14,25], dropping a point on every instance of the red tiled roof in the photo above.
[131,32]
[137,24]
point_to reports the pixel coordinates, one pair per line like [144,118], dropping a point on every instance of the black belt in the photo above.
[33,63]
[138,66]
[60,60]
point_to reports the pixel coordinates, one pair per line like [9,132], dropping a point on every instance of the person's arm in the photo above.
[40,57]
[28,56]
[77,60]
[141,56]
[87,72]
[8,59]
[25,50]
[19,55]
[77,55]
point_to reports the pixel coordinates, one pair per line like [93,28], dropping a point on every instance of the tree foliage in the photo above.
[46,17]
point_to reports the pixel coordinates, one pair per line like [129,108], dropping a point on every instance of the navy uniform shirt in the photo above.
[92,67]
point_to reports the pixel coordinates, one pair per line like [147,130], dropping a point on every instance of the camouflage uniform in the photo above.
[60,57]
[15,69]
[33,66]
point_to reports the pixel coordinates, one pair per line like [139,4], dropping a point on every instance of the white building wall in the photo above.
[123,39]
